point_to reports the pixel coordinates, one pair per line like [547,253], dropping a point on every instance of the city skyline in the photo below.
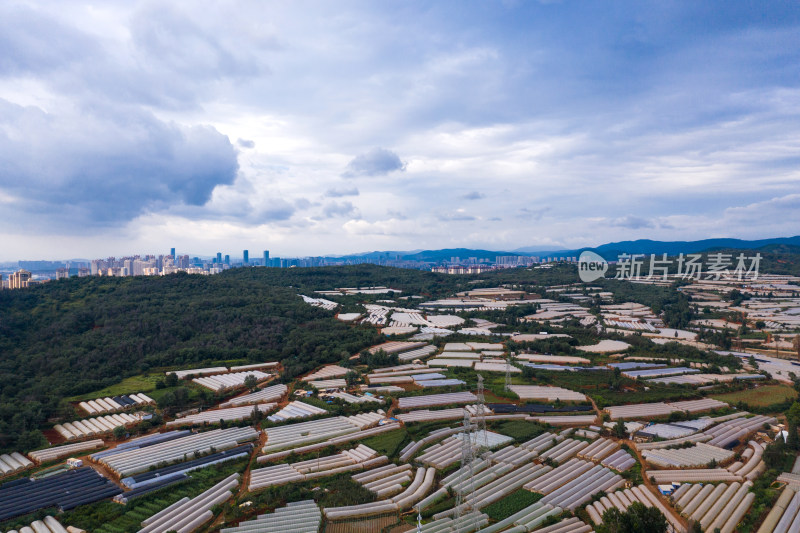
[327,129]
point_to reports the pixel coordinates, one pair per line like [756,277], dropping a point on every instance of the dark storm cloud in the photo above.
[376,162]
[101,169]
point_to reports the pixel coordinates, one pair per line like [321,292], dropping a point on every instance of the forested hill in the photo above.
[75,336]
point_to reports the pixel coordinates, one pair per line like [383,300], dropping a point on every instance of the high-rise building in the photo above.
[246,257]
[19,279]
[266,257]
[172,252]
[62,273]
[140,265]
[219,257]
[227,259]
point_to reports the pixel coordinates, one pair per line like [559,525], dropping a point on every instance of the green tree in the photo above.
[775,454]
[619,430]
[119,432]
[167,400]
[636,519]
[32,440]
[258,415]
[351,378]
[172,379]
[204,395]
[251,382]
[181,396]
[792,421]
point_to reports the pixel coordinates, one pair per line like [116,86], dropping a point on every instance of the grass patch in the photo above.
[419,430]
[514,502]
[444,505]
[519,430]
[336,491]
[388,444]
[141,383]
[342,491]
[763,396]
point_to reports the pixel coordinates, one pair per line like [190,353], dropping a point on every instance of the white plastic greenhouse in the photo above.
[139,460]
[297,517]
[272,393]
[188,515]
[228,415]
[57,452]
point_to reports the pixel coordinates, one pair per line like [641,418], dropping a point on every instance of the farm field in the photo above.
[141,383]
[763,396]
[388,444]
[514,502]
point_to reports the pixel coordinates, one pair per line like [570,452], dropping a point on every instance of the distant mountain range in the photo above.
[646,246]
[433,256]
[609,251]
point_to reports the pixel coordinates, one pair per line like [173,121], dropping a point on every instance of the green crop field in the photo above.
[514,502]
[763,396]
[141,383]
[388,444]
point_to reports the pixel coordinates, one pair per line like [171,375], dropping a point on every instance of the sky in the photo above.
[317,128]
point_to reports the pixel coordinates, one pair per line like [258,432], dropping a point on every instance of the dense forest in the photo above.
[75,336]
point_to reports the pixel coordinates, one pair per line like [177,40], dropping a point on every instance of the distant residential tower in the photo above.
[19,279]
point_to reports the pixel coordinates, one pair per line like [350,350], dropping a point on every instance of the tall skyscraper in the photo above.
[172,252]
[245,257]
[227,259]
[266,257]
[219,257]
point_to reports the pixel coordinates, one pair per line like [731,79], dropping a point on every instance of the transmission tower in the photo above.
[481,416]
[467,467]
[508,373]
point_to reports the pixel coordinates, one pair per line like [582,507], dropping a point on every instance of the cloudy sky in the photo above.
[311,128]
